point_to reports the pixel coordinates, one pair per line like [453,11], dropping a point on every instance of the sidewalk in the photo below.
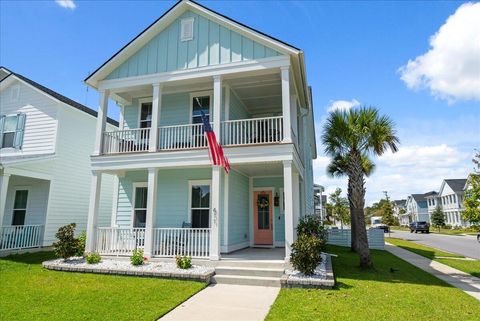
[226,302]
[465,282]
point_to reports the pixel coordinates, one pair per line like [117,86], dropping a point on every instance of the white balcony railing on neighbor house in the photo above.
[119,240]
[252,131]
[20,237]
[126,141]
[181,137]
[169,242]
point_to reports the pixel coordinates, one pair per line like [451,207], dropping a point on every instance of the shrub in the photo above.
[82,239]
[312,225]
[183,262]
[67,245]
[137,257]
[93,258]
[305,254]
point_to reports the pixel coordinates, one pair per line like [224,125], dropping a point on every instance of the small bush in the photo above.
[67,245]
[93,258]
[183,262]
[137,257]
[82,239]
[305,255]
[311,225]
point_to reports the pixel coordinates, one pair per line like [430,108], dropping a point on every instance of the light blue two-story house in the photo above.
[169,200]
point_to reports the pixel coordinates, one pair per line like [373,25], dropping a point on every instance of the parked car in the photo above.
[478,237]
[423,227]
[383,227]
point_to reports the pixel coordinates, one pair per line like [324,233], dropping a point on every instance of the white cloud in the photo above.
[451,68]
[68,4]
[343,105]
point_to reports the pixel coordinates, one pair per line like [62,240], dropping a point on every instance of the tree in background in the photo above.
[339,207]
[387,217]
[438,218]
[471,199]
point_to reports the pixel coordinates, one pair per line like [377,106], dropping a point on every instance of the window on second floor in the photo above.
[145,115]
[200,104]
[12,128]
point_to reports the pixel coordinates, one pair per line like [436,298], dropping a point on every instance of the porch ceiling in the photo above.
[260,169]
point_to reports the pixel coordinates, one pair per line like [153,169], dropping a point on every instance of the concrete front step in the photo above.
[246,280]
[249,264]
[249,271]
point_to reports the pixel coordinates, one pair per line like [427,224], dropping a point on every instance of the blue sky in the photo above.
[353,53]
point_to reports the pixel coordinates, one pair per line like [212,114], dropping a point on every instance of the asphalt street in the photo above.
[463,245]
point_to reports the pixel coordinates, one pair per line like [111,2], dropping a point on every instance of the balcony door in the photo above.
[263,218]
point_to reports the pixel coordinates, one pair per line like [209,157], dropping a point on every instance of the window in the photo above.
[200,205]
[11,131]
[140,208]
[200,104]
[186,29]
[145,115]
[20,207]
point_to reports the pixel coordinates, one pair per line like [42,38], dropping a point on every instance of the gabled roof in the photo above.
[6,74]
[457,185]
[400,203]
[159,24]
[419,197]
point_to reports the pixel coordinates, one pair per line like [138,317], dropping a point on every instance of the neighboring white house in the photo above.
[46,141]
[318,201]
[400,212]
[170,200]
[450,198]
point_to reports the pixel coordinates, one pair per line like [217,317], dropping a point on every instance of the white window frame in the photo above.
[134,192]
[14,131]
[140,103]
[192,183]
[208,93]
[20,188]
[184,23]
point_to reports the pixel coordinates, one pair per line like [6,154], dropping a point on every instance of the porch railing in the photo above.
[252,131]
[20,237]
[169,242]
[126,141]
[182,137]
[119,240]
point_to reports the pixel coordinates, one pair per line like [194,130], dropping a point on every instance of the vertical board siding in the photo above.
[212,44]
[237,109]
[238,209]
[279,218]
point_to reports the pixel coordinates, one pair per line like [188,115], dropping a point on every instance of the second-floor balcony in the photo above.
[241,132]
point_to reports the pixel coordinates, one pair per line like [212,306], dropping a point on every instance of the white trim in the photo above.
[27,173]
[226,189]
[116,183]
[263,189]
[227,101]
[184,23]
[140,102]
[250,209]
[191,183]
[204,93]
[135,185]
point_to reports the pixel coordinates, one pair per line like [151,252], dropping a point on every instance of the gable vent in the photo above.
[186,30]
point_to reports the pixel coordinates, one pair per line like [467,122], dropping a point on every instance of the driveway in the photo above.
[463,245]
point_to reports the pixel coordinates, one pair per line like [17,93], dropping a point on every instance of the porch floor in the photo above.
[256,254]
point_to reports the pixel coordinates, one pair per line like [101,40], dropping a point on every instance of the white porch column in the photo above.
[4,179]
[156,109]
[151,210]
[215,214]
[296,201]
[217,103]
[288,190]
[95,188]
[286,113]
[101,121]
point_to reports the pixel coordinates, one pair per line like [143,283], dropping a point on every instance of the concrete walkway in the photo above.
[464,281]
[226,302]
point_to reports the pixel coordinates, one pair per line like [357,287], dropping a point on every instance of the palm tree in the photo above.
[350,139]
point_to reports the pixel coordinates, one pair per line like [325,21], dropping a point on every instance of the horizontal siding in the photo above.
[40,123]
[238,209]
[212,44]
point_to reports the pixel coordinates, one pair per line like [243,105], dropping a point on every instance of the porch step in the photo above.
[249,271]
[273,264]
[247,280]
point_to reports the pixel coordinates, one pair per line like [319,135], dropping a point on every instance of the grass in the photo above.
[406,294]
[468,266]
[30,292]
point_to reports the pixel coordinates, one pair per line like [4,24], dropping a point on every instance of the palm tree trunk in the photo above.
[357,200]
[353,220]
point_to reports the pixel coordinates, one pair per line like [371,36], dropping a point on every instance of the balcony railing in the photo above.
[170,242]
[182,137]
[126,141]
[252,131]
[119,240]
[20,237]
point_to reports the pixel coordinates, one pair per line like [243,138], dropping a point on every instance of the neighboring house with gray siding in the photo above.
[46,140]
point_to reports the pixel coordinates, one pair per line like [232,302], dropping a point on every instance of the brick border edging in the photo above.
[203,277]
[329,283]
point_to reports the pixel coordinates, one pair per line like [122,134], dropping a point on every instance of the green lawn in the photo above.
[406,294]
[29,292]
[471,267]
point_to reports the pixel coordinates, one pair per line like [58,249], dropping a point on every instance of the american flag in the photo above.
[215,150]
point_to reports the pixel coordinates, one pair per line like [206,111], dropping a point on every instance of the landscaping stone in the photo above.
[322,277]
[122,267]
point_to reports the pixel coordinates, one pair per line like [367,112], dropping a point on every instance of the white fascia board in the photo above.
[27,173]
[203,72]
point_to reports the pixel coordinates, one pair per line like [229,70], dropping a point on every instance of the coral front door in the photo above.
[263,221]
